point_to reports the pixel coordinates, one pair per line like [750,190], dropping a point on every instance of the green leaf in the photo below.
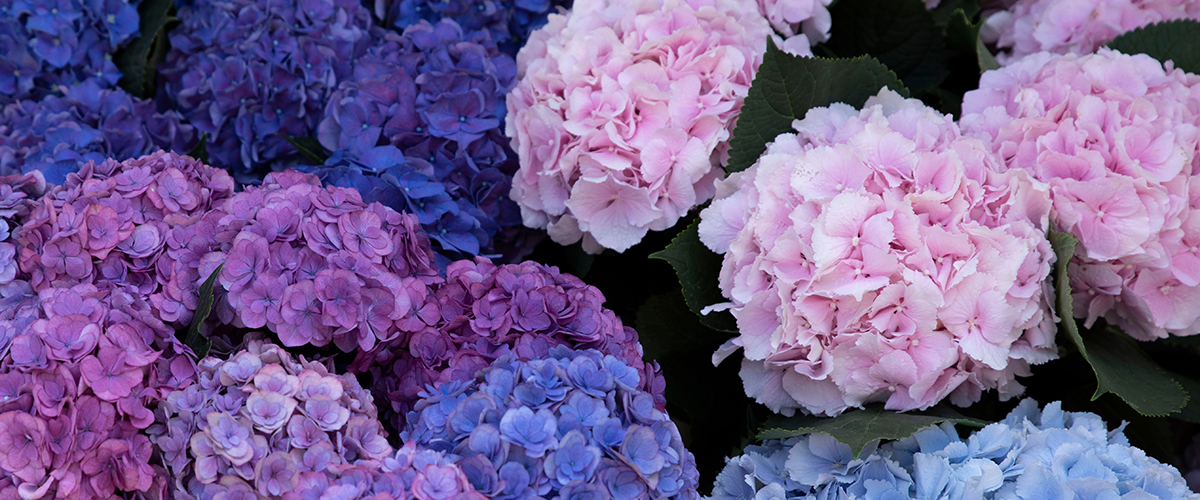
[200,150]
[901,34]
[962,34]
[139,60]
[857,428]
[1191,412]
[667,326]
[946,9]
[309,147]
[1121,366]
[787,86]
[196,340]
[1177,41]
[698,269]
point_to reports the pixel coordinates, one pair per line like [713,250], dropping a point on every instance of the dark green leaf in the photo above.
[139,60]
[1121,366]
[309,147]
[856,428]
[698,269]
[1190,412]
[943,12]
[200,150]
[962,34]
[667,326]
[786,86]
[1177,41]
[901,34]
[196,340]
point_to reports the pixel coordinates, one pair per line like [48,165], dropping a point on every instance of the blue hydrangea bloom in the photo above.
[571,444]
[48,43]
[508,22]
[61,132]
[1033,454]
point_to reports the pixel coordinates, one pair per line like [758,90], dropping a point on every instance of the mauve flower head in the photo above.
[623,112]
[1033,453]
[1115,137]
[1073,26]
[82,123]
[45,44]
[266,422]
[484,311]
[18,306]
[538,428]
[76,388]
[878,255]
[248,72]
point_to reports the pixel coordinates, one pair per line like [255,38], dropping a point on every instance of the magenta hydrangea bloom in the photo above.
[484,311]
[1073,26]
[266,422]
[1115,136]
[878,255]
[77,385]
[622,115]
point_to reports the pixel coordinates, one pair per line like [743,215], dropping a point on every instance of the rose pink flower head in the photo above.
[1115,136]
[880,256]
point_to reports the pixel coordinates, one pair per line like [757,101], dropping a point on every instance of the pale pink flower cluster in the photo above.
[881,256]
[791,17]
[1074,26]
[1115,136]
[623,112]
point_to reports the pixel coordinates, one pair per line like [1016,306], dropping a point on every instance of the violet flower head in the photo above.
[508,22]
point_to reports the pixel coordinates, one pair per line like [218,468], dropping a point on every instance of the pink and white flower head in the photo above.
[1074,26]
[623,112]
[792,17]
[881,256]
[1115,136]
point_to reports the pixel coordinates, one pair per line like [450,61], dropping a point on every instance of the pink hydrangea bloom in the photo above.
[1115,136]
[881,256]
[792,17]
[1074,26]
[623,112]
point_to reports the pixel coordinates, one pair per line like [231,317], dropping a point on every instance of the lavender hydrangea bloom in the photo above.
[1032,454]
[482,312]
[86,122]
[248,72]
[518,431]
[48,43]
[509,22]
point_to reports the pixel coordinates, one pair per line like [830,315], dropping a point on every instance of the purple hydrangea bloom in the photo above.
[509,22]
[625,444]
[248,72]
[85,122]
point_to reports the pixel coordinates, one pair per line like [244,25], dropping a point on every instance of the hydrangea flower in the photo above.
[16,296]
[85,122]
[45,44]
[126,223]
[266,422]
[248,72]
[313,265]
[437,97]
[76,386]
[792,17]
[881,256]
[570,425]
[1115,136]
[623,112]
[1033,453]
[1073,26]
[484,311]
[508,22]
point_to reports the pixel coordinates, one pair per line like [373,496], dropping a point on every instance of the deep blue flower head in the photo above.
[576,446]
[61,132]
[48,43]
[1032,454]
[508,22]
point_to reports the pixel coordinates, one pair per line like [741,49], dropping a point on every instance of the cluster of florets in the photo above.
[315,265]
[248,72]
[60,133]
[484,311]
[1033,453]
[623,113]
[125,223]
[881,256]
[435,96]
[1115,136]
[508,22]
[15,293]
[45,44]
[1074,26]
[268,423]
[792,17]
[76,385]
[572,425]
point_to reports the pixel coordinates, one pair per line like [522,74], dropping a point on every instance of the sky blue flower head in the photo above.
[1033,454]
[576,446]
